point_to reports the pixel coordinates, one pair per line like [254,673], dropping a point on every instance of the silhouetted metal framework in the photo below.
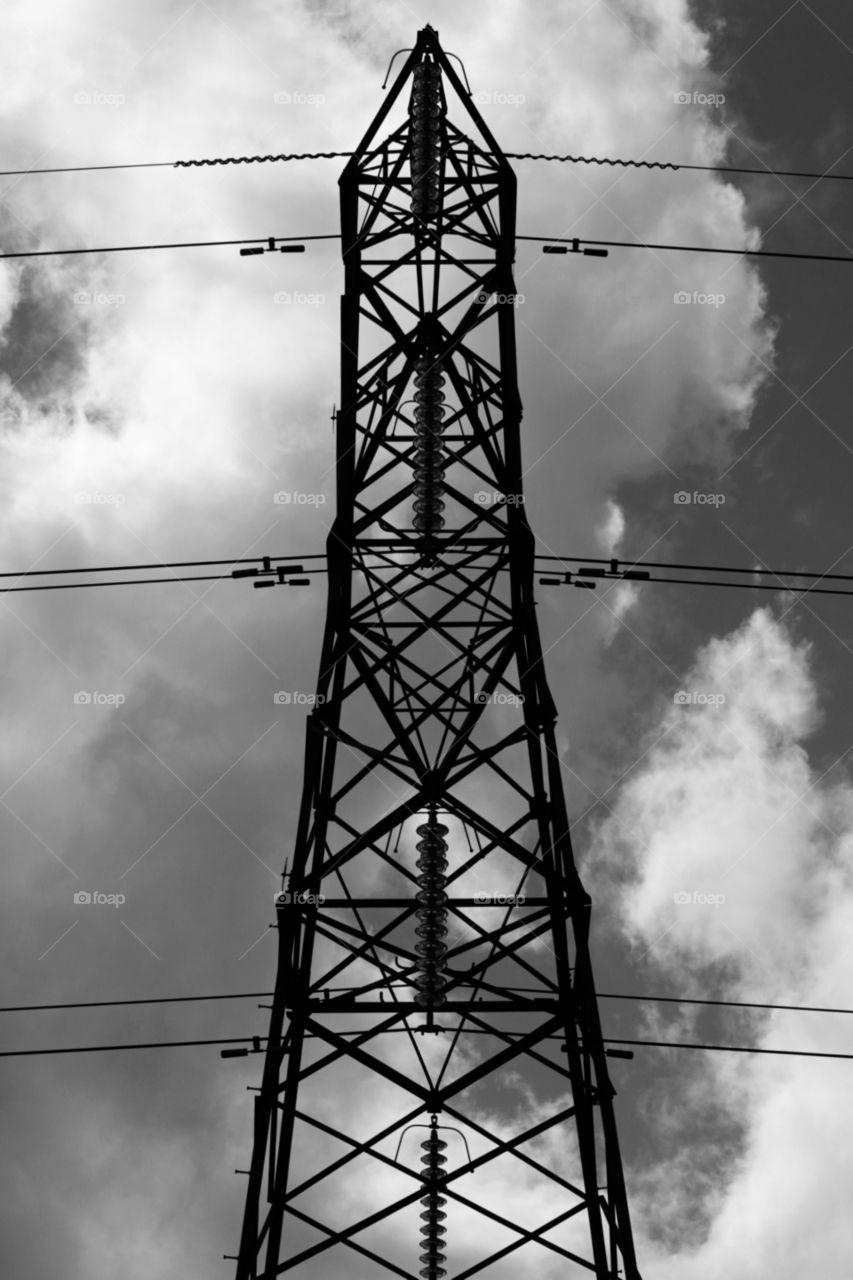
[432,780]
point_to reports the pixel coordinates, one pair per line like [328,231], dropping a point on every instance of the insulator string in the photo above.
[431,914]
[433,1230]
[425,112]
[428,455]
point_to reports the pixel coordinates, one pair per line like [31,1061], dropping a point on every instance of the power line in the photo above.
[122,582]
[255,1041]
[86,168]
[105,1004]
[698,568]
[314,556]
[302,155]
[724,1004]
[263,995]
[630,571]
[510,155]
[140,582]
[266,561]
[174,564]
[625,563]
[755,586]
[638,571]
[112,1048]
[730,1048]
[189,244]
[554,245]
[666,164]
[175,164]
[582,580]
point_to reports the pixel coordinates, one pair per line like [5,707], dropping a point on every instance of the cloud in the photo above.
[731,858]
[623,596]
[196,398]
[721,806]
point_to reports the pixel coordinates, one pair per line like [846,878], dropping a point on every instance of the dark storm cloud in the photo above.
[43,346]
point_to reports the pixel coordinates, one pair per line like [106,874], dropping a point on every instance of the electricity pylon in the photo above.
[433,955]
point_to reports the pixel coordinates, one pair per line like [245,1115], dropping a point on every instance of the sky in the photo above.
[152,406]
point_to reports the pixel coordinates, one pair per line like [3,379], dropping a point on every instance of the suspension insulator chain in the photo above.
[425,112]
[431,914]
[433,1230]
[428,455]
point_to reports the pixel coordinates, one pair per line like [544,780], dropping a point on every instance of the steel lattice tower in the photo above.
[432,777]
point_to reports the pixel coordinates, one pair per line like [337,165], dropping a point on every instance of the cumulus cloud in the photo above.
[732,860]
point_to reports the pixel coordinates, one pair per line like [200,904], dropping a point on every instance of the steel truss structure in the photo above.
[433,956]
